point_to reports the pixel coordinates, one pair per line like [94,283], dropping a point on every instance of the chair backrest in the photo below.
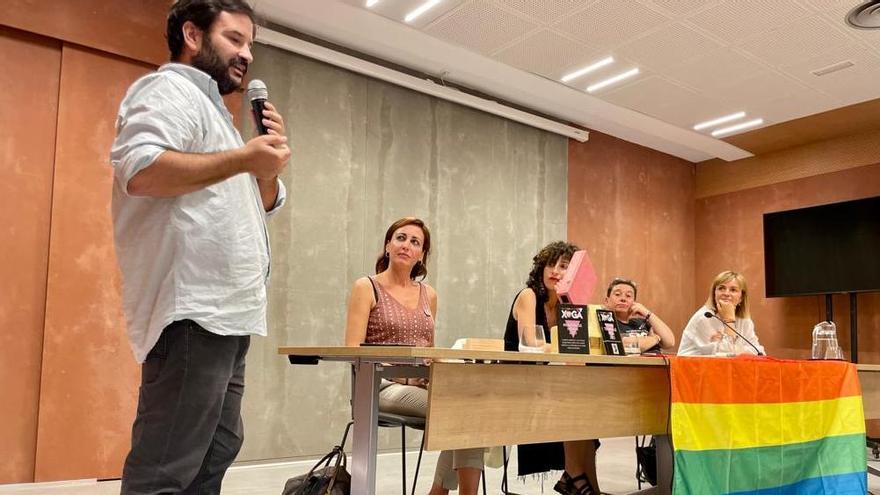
[476,344]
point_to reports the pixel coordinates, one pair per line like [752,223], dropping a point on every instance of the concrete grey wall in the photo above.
[366,153]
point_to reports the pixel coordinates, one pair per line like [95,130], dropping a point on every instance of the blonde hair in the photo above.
[742,309]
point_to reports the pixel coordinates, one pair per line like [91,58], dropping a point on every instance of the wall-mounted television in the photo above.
[823,249]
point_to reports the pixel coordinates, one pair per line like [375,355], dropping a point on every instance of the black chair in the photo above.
[504,488]
[388,420]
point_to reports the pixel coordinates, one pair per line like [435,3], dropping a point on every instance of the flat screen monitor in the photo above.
[823,249]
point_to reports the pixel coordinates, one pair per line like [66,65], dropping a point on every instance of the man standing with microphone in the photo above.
[190,202]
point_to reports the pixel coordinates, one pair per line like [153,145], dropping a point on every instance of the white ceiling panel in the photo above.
[668,46]
[851,85]
[480,26]
[545,11]
[797,41]
[764,86]
[692,110]
[549,54]
[611,22]
[795,106]
[699,59]
[737,20]
[396,10]
[728,68]
[679,8]
[650,95]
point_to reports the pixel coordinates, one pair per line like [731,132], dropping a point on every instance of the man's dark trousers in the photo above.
[188,428]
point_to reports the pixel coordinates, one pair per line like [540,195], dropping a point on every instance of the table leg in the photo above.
[366,409]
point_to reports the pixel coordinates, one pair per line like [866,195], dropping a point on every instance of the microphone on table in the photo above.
[709,314]
[258,94]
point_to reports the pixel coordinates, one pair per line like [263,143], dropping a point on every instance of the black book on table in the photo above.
[610,332]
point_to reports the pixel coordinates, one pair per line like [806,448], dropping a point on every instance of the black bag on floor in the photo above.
[324,479]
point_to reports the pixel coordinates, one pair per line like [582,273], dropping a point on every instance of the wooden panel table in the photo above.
[518,398]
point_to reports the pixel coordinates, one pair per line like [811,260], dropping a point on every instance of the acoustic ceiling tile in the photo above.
[853,84]
[667,46]
[480,26]
[611,22]
[679,8]
[737,20]
[545,11]
[728,68]
[396,10]
[797,41]
[549,54]
[649,95]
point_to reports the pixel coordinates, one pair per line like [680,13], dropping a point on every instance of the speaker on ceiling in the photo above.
[865,16]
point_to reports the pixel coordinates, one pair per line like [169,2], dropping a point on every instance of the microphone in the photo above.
[258,94]
[709,314]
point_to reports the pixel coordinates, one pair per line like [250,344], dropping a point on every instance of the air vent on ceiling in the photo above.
[846,64]
[865,16]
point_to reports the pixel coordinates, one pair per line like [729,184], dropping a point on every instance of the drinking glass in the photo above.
[631,343]
[531,338]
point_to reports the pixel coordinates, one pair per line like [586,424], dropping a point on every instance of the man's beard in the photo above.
[209,61]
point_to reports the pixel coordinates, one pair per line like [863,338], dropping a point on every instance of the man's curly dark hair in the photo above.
[549,255]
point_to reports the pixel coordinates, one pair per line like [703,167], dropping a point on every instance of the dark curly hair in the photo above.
[548,256]
[419,269]
[202,13]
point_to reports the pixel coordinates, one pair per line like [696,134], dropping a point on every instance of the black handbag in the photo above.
[646,456]
[324,479]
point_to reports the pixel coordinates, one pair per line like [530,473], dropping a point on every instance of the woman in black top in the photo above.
[536,305]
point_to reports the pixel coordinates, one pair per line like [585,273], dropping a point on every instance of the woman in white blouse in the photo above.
[728,304]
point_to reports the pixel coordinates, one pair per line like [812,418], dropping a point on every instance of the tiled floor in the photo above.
[616,473]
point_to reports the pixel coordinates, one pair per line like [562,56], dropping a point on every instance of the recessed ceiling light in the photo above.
[719,120]
[586,70]
[611,80]
[724,131]
[421,9]
[370,3]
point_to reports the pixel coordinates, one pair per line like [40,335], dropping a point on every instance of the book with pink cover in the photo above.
[579,282]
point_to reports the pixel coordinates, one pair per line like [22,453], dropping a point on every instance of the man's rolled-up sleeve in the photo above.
[151,120]
[280,199]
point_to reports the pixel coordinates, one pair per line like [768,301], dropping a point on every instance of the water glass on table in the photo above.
[531,338]
[631,343]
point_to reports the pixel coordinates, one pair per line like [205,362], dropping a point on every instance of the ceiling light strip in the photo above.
[724,131]
[426,86]
[612,80]
[586,70]
[719,121]
[370,3]
[421,9]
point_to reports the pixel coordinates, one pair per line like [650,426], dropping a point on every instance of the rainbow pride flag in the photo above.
[766,426]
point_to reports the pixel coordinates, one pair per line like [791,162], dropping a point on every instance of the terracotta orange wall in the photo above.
[89,382]
[730,236]
[27,144]
[632,209]
[131,28]
[68,380]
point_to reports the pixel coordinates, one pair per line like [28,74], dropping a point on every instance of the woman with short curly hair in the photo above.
[536,305]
